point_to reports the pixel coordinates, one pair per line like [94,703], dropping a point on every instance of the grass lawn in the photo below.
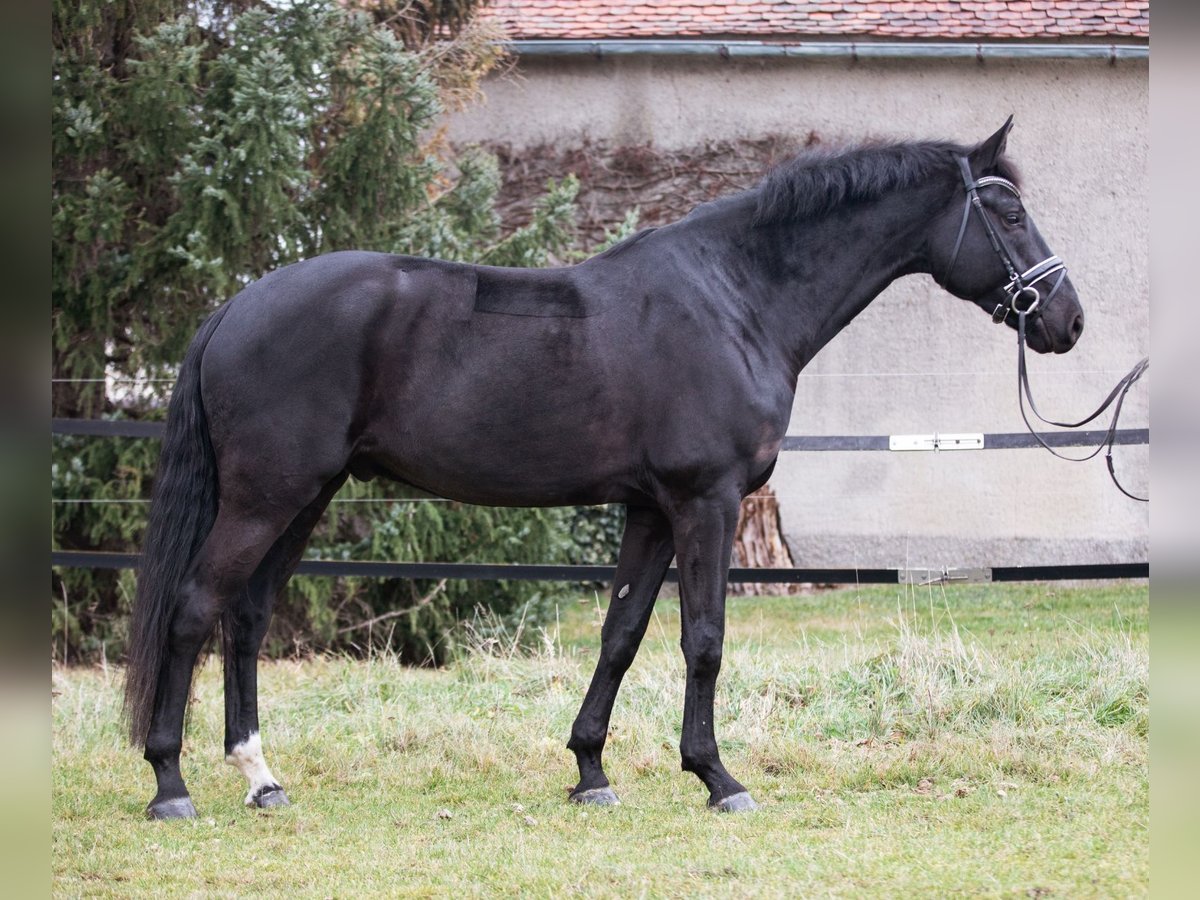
[979,740]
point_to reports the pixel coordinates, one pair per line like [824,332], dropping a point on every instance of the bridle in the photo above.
[1024,299]
[1020,285]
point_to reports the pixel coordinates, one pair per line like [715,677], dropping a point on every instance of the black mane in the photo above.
[816,181]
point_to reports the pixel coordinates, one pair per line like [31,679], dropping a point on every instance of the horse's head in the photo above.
[985,248]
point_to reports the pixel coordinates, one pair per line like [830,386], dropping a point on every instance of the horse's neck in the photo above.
[823,272]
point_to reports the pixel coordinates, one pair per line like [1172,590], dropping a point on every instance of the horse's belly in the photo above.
[506,410]
[537,442]
[499,473]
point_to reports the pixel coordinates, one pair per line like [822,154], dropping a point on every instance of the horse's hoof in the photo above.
[175,808]
[601,796]
[269,797]
[740,802]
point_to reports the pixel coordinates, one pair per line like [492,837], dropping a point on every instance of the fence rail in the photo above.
[801,443]
[1008,440]
[515,572]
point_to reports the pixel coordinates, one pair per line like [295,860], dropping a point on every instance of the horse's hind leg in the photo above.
[236,544]
[646,551]
[245,624]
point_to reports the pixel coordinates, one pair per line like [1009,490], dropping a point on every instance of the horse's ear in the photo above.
[986,155]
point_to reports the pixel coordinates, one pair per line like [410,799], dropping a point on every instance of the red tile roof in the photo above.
[921,19]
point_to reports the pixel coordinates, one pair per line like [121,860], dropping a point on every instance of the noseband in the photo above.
[1023,297]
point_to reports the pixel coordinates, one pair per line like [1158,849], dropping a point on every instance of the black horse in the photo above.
[659,375]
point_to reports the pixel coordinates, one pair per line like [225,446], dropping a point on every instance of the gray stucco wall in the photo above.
[918,360]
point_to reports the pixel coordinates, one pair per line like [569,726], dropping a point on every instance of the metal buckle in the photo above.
[999,314]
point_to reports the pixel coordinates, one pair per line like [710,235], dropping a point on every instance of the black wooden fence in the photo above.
[807,443]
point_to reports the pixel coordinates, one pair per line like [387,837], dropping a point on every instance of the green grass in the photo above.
[987,740]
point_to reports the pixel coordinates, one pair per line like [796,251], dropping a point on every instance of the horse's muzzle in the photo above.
[1044,335]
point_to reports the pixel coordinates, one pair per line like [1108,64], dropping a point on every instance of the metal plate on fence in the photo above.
[935,441]
[944,576]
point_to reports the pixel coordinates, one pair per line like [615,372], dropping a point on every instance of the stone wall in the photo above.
[917,361]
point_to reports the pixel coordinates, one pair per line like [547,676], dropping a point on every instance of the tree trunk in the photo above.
[759,544]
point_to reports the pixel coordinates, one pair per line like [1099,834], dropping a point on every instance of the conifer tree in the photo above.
[199,144]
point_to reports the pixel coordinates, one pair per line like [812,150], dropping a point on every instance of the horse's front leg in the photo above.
[646,551]
[704,531]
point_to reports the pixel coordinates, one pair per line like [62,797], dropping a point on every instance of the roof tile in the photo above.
[922,19]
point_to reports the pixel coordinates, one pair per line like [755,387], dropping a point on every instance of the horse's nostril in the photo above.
[1076,327]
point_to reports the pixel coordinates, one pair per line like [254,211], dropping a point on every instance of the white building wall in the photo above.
[918,360]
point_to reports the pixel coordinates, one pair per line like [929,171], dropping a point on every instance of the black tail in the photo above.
[182,511]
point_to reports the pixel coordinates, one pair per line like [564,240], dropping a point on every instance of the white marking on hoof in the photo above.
[247,758]
[623,593]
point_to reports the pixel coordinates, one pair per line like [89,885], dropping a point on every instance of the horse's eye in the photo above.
[1012,218]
